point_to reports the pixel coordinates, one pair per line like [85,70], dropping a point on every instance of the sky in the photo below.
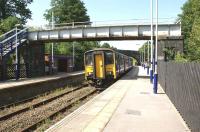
[117,10]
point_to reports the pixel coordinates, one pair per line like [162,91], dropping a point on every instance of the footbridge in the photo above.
[28,43]
[105,32]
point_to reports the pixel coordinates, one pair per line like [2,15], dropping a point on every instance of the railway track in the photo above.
[11,121]
[35,105]
[34,126]
[26,100]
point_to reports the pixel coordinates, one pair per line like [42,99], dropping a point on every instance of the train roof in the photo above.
[99,49]
[105,49]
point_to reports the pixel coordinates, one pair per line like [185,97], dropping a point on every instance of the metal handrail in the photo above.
[7,33]
[14,35]
[8,42]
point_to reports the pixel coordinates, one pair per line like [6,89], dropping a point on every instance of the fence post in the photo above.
[1,48]
[18,66]
[165,76]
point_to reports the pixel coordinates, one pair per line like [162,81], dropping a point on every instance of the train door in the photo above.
[99,65]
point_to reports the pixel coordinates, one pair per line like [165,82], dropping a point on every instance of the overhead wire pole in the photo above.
[141,57]
[151,69]
[155,86]
[73,56]
[16,56]
[52,44]
[148,57]
[144,55]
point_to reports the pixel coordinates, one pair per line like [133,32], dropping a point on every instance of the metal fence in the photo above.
[9,71]
[181,82]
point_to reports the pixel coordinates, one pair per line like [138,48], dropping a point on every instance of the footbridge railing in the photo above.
[105,32]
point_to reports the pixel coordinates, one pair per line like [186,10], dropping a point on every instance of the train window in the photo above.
[122,60]
[109,58]
[88,59]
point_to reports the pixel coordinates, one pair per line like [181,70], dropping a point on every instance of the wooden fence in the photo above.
[181,82]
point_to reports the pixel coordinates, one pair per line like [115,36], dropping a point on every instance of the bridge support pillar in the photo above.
[172,44]
[35,61]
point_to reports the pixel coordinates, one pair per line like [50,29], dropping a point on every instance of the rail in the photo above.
[43,102]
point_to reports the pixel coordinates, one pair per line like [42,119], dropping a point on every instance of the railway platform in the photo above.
[13,91]
[129,105]
[14,83]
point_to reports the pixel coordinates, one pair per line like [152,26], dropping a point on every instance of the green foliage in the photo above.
[105,45]
[180,58]
[13,12]
[66,48]
[145,47]
[194,41]
[134,61]
[190,28]
[8,24]
[66,11]
[169,53]
[15,8]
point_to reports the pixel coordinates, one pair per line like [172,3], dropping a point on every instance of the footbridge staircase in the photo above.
[12,40]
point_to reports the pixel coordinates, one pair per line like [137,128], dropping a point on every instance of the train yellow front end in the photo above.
[103,65]
[99,66]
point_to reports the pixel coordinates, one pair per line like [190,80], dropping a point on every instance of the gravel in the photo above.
[25,119]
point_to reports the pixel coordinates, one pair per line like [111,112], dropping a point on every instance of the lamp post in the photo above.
[152,33]
[16,52]
[155,85]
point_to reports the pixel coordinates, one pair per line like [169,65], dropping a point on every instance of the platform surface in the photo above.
[129,105]
[14,83]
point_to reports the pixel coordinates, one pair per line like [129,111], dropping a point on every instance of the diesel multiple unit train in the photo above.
[103,65]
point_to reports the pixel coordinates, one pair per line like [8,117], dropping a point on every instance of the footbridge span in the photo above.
[105,32]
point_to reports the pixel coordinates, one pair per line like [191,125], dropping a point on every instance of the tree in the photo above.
[190,28]
[15,8]
[194,41]
[67,11]
[105,45]
[145,48]
[8,23]
[190,11]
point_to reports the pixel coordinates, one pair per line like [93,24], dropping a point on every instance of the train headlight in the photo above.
[109,72]
[90,73]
